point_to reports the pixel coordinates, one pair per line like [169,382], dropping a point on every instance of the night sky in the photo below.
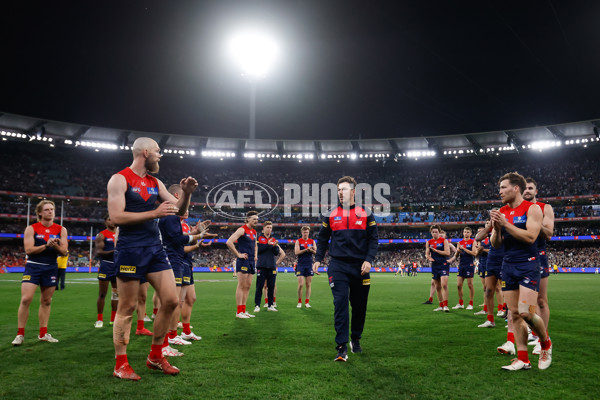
[349,69]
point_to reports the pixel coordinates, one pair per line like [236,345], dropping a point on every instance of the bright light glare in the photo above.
[255,52]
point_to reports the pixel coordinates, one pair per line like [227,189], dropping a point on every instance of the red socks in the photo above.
[461,302]
[266,300]
[445,303]
[523,356]
[485,308]
[490,318]
[113,314]
[43,331]
[156,351]
[430,300]
[274,298]
[100,317]
[240,309]
[306,301]
[121,359]
[140,324]
[155,311]
[500,307]
[21,331]
[165,342]
[299,299]
[510,336]
[186,329]
[471,303]
[172,334]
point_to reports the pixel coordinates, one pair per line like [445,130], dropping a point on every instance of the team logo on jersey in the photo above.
[512,213]
[337,218]
[143,183]
[127,269]
[359,222]
[152,190]
[520,219]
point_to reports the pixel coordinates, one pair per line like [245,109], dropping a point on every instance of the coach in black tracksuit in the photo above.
[266,265]
[354,238]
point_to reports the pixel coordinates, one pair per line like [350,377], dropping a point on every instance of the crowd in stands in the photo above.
[83,172]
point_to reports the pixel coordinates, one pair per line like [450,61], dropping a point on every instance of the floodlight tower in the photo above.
[255,53]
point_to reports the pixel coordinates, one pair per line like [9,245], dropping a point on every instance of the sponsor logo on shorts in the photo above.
[127,269]
[186,279]
[26,277]
[503,284]
[101,275]
[244,268]
[366,282]
[177,280]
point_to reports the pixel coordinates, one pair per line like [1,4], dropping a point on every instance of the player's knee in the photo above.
[46,302]
[542,302]
[26,300]
[170,303]
[102,295]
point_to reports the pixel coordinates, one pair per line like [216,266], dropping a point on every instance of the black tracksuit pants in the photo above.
[262,275]
[347,284]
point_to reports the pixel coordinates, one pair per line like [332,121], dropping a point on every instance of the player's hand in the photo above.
[201,227]
[313,250]
[52,243]
[316,266]
[205,244]
[272,241]
[165,209]
[243,256]
[366,268]
[430,259]
[208,235]
[188,185]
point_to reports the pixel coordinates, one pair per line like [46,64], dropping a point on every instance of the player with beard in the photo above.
[530,194]
[132,194]
[517,226]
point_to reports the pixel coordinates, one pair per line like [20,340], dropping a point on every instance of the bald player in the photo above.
[132,194]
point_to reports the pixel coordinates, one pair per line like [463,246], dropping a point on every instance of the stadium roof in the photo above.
[25,128]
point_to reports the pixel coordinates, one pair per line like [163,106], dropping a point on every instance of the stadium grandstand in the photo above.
[449,180]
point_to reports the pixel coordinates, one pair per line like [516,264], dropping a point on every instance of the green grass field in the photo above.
[410,352]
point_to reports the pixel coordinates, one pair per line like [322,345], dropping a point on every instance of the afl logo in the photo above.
[226,197]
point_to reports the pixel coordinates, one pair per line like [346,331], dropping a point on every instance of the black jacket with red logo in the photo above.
[353,234]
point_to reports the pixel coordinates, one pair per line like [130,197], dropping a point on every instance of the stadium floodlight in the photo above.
[255,53]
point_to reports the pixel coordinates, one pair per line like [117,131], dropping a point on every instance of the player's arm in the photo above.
[297,250]
[532,227]
[484,232]
[29,243]
[471,252]
[99,246]
[62,244]
[497,221]
[428,252]
[323,243]
[446,251]
[255,248]
[281,255]
[188,185]
[548,223]
[231,243]
[116,188]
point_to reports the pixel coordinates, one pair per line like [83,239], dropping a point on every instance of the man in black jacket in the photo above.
[353,233]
